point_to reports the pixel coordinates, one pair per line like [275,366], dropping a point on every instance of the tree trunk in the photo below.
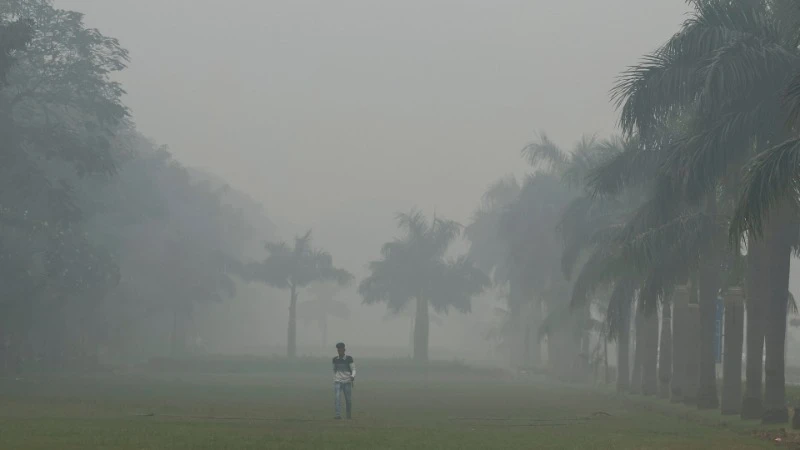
[665,350]
[784,232]
[650,355]
[175,340]
[680,302]
[690,381]
[755,302]
[517,339]
[291,340]
[527,345]
[709,290]
[638,352]
[732,357]
[527,326]
[4,344]
[584,361]
[534,322]
[623,350]
[421,330]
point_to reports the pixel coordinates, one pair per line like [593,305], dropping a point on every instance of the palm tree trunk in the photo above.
[638,352]
[692,363]
[752,404]
[680,303]
[780,256]
[535,319]
[650,355]
[709,283]
[707,382]
[584,342]
[526,331]
[324,331]
[527,345]
[732,357]
[411,337]
[291,341]
[665,351]
[174,337]
[623,350]
[4,353]
[421,330]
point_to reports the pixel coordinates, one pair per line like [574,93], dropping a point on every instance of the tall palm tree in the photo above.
[295,268]
[489,249]
[595,232]
[606,181]
[414,268]
[727,68]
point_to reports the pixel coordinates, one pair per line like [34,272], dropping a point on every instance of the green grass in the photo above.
[294,411]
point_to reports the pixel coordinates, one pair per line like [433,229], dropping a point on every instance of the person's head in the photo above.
[340,348]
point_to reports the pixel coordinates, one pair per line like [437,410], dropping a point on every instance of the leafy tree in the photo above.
[414,268]
[100,230]
[59,112]
[295,268]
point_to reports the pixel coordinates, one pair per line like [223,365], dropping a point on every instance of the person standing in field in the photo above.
[344,375]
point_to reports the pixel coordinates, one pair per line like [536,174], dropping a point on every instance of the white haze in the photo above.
[337,115]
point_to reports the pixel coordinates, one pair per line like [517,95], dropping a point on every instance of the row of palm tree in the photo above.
[711,106]
[696,200]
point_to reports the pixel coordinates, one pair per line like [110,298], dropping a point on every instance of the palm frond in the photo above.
[682,237]
[770,179]
[603,266]
[546,152]
[458,282]
[625,165]
[792,100]
[501,192]
[413,222]
[661,207]
[584,157]
[744,67]
[707,155]
[649,93]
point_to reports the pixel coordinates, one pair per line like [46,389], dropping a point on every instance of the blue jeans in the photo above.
[338,389]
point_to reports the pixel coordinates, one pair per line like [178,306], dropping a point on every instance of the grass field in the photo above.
[294,411]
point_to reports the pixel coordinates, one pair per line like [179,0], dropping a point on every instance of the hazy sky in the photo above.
[337,114]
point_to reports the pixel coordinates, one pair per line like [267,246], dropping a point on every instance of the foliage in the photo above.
[297,266]
[415,267]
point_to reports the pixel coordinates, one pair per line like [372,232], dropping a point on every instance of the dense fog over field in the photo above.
[337,116]
[504,216]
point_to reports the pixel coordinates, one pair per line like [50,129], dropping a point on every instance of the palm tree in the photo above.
[531,228]
[295,268]
[593,227]
[612,175]
[414,268]
[727,69]
[489,249]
